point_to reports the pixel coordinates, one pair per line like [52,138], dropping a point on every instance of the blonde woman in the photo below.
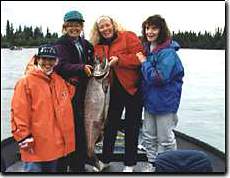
[120,47]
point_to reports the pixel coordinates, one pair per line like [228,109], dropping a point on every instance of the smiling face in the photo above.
[46,64]
[105,27]
[152,33]
[73,29]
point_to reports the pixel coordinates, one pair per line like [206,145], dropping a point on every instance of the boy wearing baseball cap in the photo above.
[41,114]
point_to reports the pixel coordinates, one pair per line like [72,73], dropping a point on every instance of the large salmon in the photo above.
[96,104]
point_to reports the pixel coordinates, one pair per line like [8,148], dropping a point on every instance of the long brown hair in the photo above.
[160,23]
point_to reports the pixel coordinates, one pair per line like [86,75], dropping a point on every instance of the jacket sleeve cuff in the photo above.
[29,136]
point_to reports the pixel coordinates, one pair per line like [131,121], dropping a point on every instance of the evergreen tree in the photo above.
[7,29]
[48,35]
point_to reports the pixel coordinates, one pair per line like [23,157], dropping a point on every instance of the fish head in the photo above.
[100,69]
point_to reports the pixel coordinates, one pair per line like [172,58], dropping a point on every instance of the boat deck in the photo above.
[114,167]
[217,158]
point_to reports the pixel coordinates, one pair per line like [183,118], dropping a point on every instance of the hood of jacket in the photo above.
[167,44]
[174,45]
[38,73]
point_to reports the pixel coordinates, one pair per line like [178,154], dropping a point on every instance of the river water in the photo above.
[202,109]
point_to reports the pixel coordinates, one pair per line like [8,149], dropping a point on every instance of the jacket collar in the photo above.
[159,47]
[38,73]
[109,41]
[163,45]
[65,39]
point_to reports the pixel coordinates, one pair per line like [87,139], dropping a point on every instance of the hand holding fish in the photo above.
[141,57]
[113,61]
[88,70]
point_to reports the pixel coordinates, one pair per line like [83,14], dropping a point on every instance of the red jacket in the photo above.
[41,107]
[125,46]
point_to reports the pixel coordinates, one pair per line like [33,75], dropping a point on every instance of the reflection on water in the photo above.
[202,109]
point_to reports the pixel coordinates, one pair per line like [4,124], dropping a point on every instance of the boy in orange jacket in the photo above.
[41,114]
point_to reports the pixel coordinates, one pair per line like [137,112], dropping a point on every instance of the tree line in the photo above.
[29,37]
[201,41]
[26,37]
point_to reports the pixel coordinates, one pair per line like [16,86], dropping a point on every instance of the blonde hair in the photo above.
[95,34]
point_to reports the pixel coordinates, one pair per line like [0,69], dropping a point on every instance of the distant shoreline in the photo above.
[23,47]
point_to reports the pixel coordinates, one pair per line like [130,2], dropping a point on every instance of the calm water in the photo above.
[202,109]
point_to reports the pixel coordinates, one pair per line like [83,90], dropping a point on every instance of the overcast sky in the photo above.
[184,16]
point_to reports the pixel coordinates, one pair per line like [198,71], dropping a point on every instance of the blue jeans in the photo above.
[48,166]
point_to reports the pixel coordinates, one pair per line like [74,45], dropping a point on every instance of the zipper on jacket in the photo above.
[63,135]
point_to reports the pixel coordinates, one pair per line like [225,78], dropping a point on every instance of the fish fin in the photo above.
[105,85]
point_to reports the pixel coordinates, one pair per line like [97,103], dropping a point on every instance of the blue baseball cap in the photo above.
[47,51]
[73,16]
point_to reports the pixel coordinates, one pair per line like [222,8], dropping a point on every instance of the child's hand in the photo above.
[141,57]
[27,145]
[88,69]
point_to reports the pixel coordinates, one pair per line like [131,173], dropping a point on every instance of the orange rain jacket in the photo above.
[125,46]
[41,107]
